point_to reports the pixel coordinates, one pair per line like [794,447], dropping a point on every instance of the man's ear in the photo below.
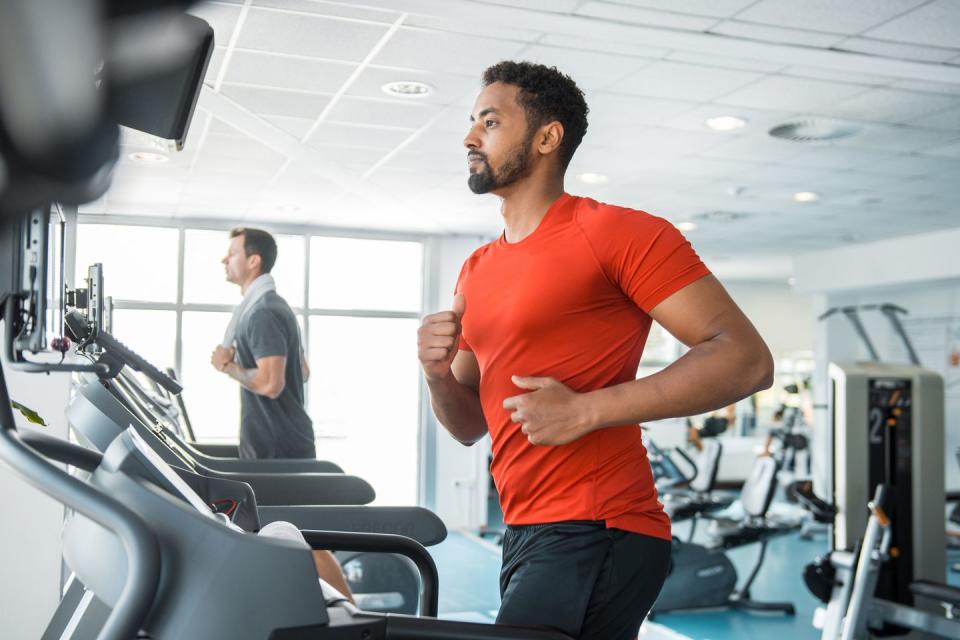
[549,137]
[255,262]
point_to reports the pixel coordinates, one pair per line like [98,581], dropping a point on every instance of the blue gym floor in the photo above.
[469,568]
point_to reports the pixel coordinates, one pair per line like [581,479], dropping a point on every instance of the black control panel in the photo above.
[889,444]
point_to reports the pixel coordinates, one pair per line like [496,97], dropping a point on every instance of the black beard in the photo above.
[515,167]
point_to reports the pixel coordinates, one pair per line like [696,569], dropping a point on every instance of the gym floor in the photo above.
[469,568]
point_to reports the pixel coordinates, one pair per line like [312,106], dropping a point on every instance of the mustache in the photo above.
[476,155]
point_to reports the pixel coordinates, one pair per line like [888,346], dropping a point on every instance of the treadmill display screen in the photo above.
[165,476]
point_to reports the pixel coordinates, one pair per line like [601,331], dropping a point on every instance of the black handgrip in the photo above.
[386,543]
[62,450]
[136,362]
[79,331]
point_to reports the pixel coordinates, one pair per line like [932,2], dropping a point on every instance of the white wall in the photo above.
[30,525]
[455,475]
[918,259]
[781,315]
[920,273]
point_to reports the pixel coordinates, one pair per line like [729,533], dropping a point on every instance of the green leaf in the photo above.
[28,413]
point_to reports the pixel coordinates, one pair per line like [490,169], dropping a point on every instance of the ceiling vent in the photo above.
[813,131]
[721,215]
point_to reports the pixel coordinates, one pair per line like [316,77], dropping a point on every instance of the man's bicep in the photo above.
[466,369]
[272,367]
[266,335]
[699,312]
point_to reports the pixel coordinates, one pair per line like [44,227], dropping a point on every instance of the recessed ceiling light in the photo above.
[148,157]
[726,123]
[791,281]
[806,196]
[593,178]
[686,226]
[407,89]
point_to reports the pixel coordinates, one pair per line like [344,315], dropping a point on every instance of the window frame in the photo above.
[428,254]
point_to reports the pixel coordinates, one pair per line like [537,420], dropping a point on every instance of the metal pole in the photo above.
[854,318]
[891,312]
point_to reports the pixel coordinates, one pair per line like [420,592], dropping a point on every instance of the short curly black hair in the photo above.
[546,94]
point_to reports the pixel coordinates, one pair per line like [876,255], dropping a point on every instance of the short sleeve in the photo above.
[461,282]
[645,256]
[267,335]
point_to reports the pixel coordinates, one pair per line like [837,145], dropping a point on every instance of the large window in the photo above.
[358,306]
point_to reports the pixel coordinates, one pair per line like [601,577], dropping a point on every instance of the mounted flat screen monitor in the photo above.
[32,246]
[162,103]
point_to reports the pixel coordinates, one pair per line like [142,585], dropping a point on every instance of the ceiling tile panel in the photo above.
[837,16]
[725,62]
[351,110]
[934,24]
[585,43]
[213,66]
[384,138]
[950,150]
[896,50]
[714,8]
[791,94]
[553,6]
[896,139]
[612,109]
[446,52]
[927,87]
[890,105]
[521,28]
[276,102]
[836,75]
[646,17]
[947,119]
[590,70]
[777,35]
[307,35]
[359,157]
[283,72]
[754,149]
[681,81]
[336,9]
[297,127]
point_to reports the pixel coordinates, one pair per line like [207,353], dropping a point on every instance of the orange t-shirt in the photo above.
[571,301]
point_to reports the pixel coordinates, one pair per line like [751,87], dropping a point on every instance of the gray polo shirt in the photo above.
[277,428]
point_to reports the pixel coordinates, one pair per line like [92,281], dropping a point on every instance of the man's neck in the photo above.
[525,205]
[246,284]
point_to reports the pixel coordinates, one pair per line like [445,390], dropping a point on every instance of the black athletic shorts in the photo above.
[581,578]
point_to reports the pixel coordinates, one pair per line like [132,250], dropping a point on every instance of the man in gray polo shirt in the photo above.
[262,351]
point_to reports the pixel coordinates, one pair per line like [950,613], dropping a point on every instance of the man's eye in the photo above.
[490,123]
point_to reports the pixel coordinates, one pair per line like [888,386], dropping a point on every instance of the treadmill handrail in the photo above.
[386,543]
[139,543]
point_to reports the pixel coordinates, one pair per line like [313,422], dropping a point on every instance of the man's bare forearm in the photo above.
[458,409]
[713,374]
[244,376]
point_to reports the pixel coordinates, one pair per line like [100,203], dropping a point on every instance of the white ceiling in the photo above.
[293,125]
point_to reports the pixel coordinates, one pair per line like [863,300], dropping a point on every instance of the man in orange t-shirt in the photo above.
[541,349]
